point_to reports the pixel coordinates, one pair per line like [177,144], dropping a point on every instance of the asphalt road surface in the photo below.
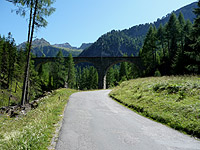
[93,121]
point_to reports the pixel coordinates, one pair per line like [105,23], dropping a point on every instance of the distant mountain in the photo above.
[142,29]
[65,45]
[37,42]
[85,45]
[114,43]
[41,47]
[52,51]
[130,41]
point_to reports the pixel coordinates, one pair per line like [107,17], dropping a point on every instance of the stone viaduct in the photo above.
[102,64]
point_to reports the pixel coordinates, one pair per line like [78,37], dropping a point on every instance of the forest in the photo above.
[173,49]
[130,41]
[170,49]
[50,76]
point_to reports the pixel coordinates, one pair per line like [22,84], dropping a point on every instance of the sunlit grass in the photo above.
[35,130]
[174,101]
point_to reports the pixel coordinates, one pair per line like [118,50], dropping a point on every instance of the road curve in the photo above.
[93,121]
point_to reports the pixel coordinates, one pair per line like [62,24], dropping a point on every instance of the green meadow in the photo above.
[174,101]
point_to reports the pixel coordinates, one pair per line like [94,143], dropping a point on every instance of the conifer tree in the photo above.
[20,65]
[12,56]
[5,64]
[172,35]
[133,71]
[116,75]
[110,78]
[181,30]
[34,84]
[84,79]
[58,71]
[92,78]
[43,73]
[71,76]
[149,51]
[39,9]
[181,59]
[95,83]
[78,77]
[194,53]
[50,83]
[123,72]
[161,39]
[187,46]
[162,53]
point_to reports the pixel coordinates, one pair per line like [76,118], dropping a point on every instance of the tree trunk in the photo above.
[16,86]
[27,91]
[28,42]
[28,57]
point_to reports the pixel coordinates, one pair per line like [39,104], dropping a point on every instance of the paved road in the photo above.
[93,121]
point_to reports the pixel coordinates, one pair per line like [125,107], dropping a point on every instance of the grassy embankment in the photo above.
[174,101]
[34,130]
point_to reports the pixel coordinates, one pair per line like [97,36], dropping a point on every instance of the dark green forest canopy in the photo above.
[130,41]
[173,49]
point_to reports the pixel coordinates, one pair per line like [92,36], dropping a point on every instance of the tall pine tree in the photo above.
[181,21]
[123,72]
[172,36]
[148,52]
[12,51]
[194,53]
[179,58]
[58,71]
[110,78]
[71,75]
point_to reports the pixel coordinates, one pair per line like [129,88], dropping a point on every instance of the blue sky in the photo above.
[84,21]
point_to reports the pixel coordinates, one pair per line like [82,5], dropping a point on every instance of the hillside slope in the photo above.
[172,100]
[129,41]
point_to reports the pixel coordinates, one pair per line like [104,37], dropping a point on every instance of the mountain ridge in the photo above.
[67,45]
[42,48]
[130,41]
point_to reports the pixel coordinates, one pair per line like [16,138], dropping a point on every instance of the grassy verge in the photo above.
[34,131]
[174,101]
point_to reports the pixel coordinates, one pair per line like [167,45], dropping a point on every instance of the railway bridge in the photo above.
[102,64]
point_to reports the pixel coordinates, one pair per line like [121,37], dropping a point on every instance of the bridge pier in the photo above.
[101,80]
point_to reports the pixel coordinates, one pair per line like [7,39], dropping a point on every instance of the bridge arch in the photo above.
[102,64]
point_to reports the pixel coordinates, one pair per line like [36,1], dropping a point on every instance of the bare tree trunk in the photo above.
[16,86]
[27,91]
[28,57]
[28,42]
